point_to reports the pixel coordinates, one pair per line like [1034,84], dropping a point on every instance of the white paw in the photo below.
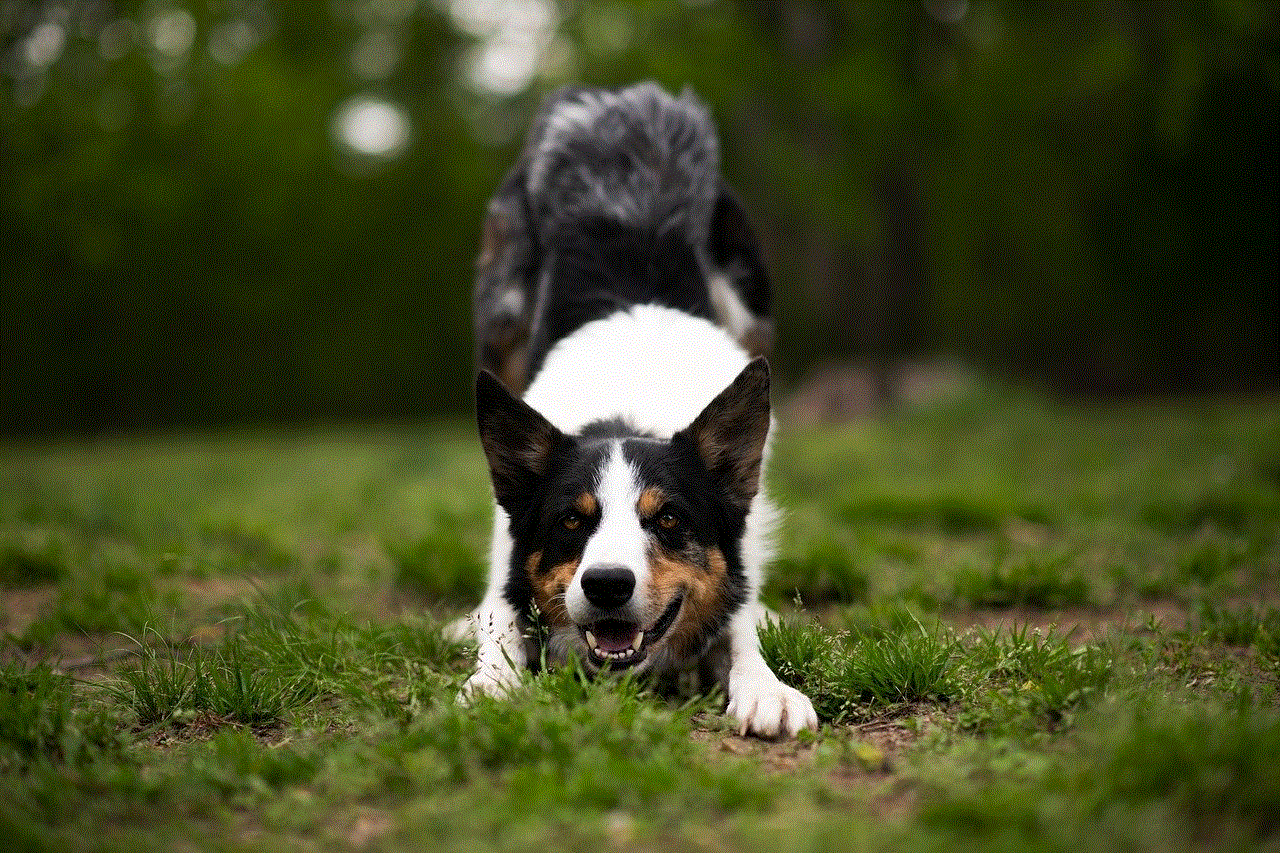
[765,706]
[496,681]
[460,630]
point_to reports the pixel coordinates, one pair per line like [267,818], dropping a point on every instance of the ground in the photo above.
[1025,625]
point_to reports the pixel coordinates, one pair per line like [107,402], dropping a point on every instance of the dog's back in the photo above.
[616,201]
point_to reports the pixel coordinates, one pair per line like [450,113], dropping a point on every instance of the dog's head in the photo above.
[627,545]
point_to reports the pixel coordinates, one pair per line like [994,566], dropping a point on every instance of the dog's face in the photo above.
[627,546]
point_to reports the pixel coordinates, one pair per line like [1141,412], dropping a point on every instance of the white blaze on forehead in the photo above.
[618,540]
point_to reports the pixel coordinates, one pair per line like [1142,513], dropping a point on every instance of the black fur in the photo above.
[598,267]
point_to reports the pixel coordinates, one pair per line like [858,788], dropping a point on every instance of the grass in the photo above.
[1045,582]
[850,677]
[1025,625]
[166,684]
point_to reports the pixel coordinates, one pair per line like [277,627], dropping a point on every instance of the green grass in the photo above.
[1044,582]
[850,677]
[166,684]
[1025,626]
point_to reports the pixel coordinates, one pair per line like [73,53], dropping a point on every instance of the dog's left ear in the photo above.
[729,435]
[518,442]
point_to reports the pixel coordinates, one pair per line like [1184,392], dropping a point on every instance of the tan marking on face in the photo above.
[548,588]
[651,500]
[701,577]
[585,504]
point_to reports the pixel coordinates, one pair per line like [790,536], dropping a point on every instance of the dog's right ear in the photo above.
[518,442]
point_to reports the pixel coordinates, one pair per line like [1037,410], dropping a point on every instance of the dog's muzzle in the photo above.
[620,644]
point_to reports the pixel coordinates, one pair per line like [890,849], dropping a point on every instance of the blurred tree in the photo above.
[256,211]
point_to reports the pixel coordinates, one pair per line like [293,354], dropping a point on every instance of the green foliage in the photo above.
[1021,679]
[40,721]
[1045,582]
[849,677]
[21,565]
[599,744]
[1145,778]
[949,513]
[1243,626]
[233,761]
[1210,765]
[878,620]
[166,684]
[103,592]
[439,565]
[303,266]
[828,571]
[1239,509]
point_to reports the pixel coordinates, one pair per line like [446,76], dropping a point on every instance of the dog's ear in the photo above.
[518,442]
[736,252]
[729,435]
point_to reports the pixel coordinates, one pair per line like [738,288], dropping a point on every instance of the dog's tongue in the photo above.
[614,636]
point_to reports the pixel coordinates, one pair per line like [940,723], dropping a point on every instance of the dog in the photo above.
[622,314]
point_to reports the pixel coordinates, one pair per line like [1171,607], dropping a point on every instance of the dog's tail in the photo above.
[637,157]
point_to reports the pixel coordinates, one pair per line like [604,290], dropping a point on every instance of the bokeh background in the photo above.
[264,212]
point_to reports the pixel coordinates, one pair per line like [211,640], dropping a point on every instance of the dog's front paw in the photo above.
[496,681]
[765,706]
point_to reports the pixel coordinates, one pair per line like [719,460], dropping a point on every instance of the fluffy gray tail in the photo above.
[638,157]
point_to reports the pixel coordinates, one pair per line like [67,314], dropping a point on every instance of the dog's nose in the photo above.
[608,586]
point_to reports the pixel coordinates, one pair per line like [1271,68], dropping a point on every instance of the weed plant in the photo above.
[168,683]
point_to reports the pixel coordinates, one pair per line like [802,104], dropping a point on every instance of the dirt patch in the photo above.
[774,755]
[868,750]
[208,593]
[204,726]
[859,762]
[367,827]
[20,607]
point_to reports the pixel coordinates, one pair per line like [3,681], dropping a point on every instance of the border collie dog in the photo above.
[621,292]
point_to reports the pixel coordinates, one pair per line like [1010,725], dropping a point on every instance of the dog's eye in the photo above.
[571,521]
[668,520]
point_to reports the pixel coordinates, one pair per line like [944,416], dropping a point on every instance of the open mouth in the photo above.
[622,644]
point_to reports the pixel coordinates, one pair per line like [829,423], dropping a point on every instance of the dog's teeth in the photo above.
[636,643]
[591,639]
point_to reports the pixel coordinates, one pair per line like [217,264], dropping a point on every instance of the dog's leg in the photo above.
[761,703]
[500,650]
[501,655]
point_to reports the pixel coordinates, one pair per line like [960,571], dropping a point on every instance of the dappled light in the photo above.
[513,37]
[371,127]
